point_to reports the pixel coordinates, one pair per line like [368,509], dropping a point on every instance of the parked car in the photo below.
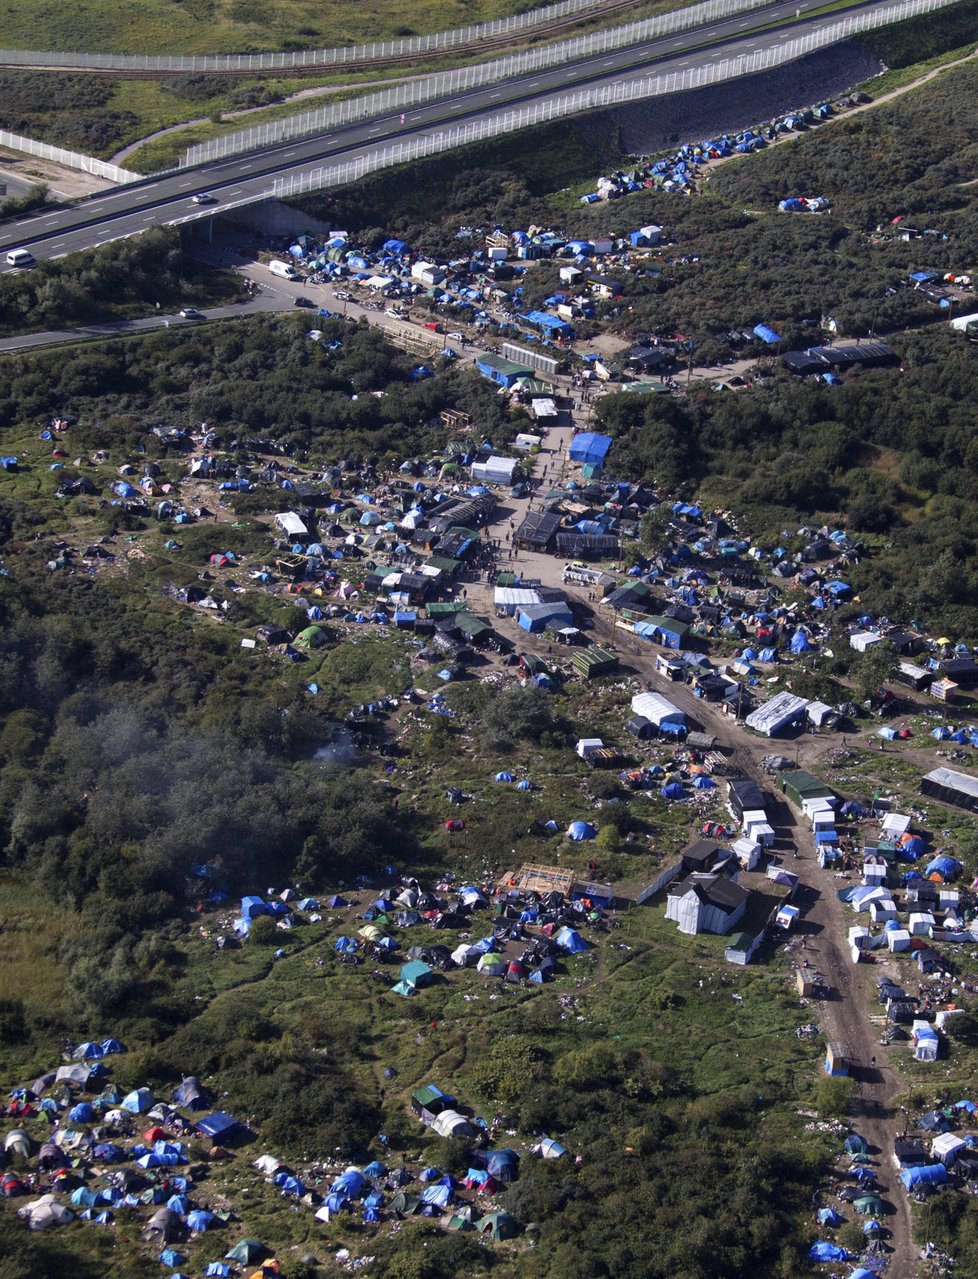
[303,301]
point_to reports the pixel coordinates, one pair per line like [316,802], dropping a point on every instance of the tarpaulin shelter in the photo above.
[823,1250]
[927,1175]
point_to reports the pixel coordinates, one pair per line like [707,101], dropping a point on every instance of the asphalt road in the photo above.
[275,295]
[122,212]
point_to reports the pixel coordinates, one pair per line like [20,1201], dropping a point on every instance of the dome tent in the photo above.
[579,831]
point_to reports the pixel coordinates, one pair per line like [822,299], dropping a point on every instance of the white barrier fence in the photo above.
[70,159]
[377,51]
[560,105]
[438,85]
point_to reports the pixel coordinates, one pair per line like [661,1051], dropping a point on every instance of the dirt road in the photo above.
[845,1014]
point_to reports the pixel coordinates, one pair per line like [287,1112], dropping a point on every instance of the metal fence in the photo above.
[379,50]
[580,100]
[426,88]
[70,159]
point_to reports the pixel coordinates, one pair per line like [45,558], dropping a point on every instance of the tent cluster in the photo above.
[547,925]
[110,1155]
[680,170]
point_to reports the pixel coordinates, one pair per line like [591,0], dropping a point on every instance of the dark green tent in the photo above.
[247,1251]
[498,1225]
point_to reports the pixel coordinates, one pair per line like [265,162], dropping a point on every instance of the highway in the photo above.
[165,200]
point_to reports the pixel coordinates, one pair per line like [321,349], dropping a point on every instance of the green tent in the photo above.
[869,1205]
[311,637]
[247,1251]
[404,1205]
[498,1225]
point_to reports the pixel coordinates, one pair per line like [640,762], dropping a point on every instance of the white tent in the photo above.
[897,940]
[894,825]
[451,1124]
[44,1212]
[268,1165]
[947,1147]
[658,710]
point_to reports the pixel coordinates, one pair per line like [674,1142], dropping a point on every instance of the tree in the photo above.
[872,669]
[833,1096]
[263,932]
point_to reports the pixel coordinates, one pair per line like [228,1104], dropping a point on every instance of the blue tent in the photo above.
[525,784]
[570,939]
[825,1251]
[88,1052]
[83,1113]
[946,867]
[350,1183]
[375,1169]
[107,1152]
[578,831]
[589,448]
[766,334]
[200,1220]
[438,1195]
[829,1217]
[672,790]
[219,1126]
[110,1046]
[179,1203]
[251,907]
[853,808]
[702,782]
[504,777]
[288,1184]
[138,1101]
[218,1270]
[503,1165]
[170,1257]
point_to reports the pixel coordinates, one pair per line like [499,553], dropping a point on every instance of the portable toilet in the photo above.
[836,1063]
[924,1041]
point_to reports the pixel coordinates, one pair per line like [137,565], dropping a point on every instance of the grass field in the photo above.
[231,26]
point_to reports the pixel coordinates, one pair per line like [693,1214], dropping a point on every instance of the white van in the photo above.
[20,257]
[285,269]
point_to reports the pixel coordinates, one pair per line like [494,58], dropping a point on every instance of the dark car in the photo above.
[302,301]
